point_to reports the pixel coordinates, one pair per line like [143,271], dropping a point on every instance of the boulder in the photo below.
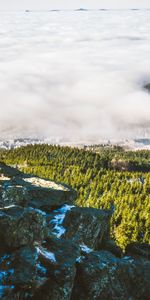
[26,190]
[102,276]
[24,193]
[88,226]
[13,195]
[52,271]
[22,226]
[138,250]
[112,247]
[41,271]
[24,263]
[50,197]
[19,271]
[8,172]
[58,257]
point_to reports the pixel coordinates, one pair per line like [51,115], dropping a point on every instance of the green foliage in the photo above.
[103,177]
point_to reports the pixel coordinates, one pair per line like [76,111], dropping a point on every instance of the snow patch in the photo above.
[42,270]
[79,259]
[129,258]
[85,248]
[3,177]
[49,255]
[58,219]
[7,207]
[5,274]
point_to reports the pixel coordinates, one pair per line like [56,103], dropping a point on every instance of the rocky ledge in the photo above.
[53,250]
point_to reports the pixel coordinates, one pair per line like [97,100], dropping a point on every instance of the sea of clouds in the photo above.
[74,75]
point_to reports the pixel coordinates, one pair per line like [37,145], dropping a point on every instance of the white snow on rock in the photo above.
[47,254]
[58,219]
[79,259]
[128,258]
[85,248]
[3,177]
[7,207]
[41,269]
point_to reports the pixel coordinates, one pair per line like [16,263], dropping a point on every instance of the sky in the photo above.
[69,4]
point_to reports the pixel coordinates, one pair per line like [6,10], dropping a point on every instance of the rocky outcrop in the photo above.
[52,250]
[87,226]
[25,190]
[100,275]
[138,250]
[21,226]
[60,269]
[110,245]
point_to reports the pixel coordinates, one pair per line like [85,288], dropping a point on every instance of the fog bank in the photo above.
[76,75]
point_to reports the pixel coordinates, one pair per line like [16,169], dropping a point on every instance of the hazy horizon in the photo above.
[78,8]
[72,4]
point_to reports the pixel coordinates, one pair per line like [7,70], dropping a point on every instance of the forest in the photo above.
[104,177]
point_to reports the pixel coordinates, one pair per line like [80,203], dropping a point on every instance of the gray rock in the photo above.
[6,271]
[58,257]
[112,247]
[41,271]
[21,226]
[24,261]
[44,271]
[13,195]
[87,226]
[19,271]
[138,250]
[102,276]
[8,171]
[46,199]
[25,190]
